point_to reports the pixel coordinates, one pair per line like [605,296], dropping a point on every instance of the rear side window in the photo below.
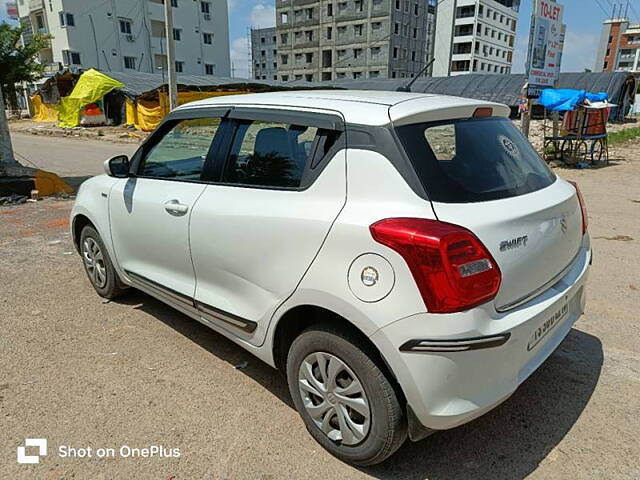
[269,154]
[181,152]
[474,160]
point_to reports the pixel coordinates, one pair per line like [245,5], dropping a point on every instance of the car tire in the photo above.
[344,356]
[98,265]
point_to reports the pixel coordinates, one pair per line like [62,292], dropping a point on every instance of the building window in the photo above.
[177,34]
[359,4]
[308,35]
[262,40]
[308,57]
[357,75]
[375,26]
[284,17]
[415,9]
[413,55]
[284,78]
[374,73]
[207,38]
[357,52]
[66,20]
[329,32]
[396,28]
[397,4]
[375,51]
[179,67]
[284,38]
[125,26]
[71,58]
[130,63]
[395,52]
[284,59]
[330,10]
[40,23]
[357,30]
[415,33]
[308,13]
[174,3]
[205,7]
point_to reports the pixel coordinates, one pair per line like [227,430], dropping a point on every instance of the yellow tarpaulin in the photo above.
[91,87]
[43,112]
[146,115]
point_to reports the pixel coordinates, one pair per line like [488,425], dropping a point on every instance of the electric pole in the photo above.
[6,151]
[171,55]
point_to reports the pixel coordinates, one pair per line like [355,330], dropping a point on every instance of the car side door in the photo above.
[264,215]
[150,211]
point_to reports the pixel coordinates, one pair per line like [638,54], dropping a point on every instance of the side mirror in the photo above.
[117,166]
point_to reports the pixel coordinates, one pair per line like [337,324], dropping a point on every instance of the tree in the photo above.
[18,63]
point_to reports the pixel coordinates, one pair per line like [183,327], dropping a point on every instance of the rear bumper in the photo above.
[456,367]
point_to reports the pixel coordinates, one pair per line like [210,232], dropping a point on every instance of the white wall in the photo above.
[97,37]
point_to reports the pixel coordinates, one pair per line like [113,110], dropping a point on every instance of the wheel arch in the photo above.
[299,318]
[78,223]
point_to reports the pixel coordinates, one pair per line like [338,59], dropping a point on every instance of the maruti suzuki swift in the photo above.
[405,260]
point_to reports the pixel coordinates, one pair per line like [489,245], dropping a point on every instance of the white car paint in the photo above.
[259,253]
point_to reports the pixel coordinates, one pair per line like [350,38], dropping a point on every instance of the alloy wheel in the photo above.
[334,398]
[94,262]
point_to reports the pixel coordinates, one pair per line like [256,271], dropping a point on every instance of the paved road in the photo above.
[68,157]
[83,372]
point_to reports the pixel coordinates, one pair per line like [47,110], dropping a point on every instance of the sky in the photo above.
[582,17]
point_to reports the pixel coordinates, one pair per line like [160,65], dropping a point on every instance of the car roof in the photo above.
[367,107]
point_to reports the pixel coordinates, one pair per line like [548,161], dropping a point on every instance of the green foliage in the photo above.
[17,61]
[623,135]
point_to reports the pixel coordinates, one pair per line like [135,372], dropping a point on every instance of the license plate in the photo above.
[547,325]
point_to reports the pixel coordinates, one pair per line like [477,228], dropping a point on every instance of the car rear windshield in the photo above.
[474,160]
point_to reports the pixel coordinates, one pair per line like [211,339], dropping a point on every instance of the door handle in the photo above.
[174,207]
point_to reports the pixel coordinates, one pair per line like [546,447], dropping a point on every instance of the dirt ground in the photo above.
[82,372]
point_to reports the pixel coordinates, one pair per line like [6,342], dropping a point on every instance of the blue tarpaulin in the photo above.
[566,99]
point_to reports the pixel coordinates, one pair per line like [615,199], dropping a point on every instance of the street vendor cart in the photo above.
[581,137]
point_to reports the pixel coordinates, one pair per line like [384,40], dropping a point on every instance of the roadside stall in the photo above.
[580,137]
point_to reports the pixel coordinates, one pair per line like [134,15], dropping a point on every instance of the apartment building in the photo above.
[323,40]
[475,36]
[129,35]
[619,47]
[264,53]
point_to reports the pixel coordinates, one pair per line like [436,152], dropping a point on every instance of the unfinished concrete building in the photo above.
[323,40]
[264,53]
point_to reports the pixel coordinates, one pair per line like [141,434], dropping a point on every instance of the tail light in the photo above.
[583,208]
[451,267]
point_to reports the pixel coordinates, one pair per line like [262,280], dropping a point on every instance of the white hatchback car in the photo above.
[406,260]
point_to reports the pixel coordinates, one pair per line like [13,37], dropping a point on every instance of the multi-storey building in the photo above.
[619,48]
[264,53]
[129,35]
[475,36]
[321,40]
